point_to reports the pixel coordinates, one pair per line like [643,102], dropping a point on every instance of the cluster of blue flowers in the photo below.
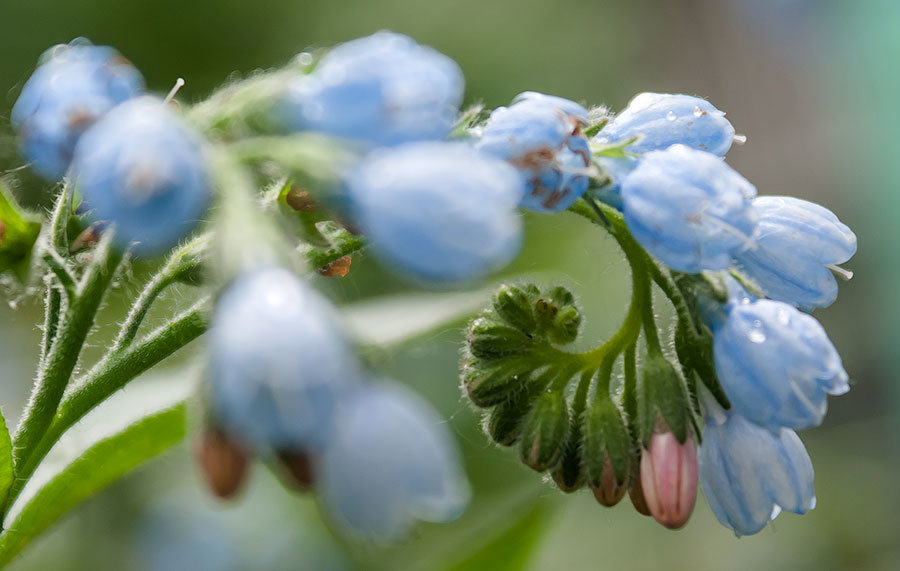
[693,212]
[436,193]
[285,384]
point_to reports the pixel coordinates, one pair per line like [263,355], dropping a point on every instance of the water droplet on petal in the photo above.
[757,336]
[670,116]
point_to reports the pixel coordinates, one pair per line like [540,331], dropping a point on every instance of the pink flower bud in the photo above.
[669,478]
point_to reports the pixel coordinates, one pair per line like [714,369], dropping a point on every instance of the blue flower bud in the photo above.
[72,87]
[795,243]
[440,212]
[688,208]
[278,362]
[662,120]
[383,89]
[749,473]
[541,136]
[390,461]
[775,363]
[142,168]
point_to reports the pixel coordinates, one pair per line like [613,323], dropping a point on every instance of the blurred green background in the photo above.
[813,83]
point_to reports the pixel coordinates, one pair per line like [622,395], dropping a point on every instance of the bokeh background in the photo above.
[813,83]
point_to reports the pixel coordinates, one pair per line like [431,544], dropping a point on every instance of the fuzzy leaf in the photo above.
[18,233]
[6,463]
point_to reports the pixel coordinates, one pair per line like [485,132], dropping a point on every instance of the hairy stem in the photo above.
[56,370]
[107,377]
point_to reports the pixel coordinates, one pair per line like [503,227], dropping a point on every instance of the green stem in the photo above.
[52,305]
[58,266]
[629,392]
[183,262]
[63,356]
[107,377]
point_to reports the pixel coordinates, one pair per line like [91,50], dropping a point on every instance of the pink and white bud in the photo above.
[669,478]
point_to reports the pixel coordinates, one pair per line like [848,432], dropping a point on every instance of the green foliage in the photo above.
[102,464]
[18,232]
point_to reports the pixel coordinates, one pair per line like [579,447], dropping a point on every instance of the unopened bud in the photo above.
[669,478]
[636,495]
[607,451]
[298,470]
[569,473]
[300,199]
[491,340]
[88,237]
[564,328]
[661,393]
[504,423]
[544,432]
[338,268]
[514,306]
[608,490]
[223,463]
[494,382]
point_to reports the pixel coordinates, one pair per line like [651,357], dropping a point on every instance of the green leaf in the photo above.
[6,463]
[101,465]
[18,233]
[119,435]
[395,319]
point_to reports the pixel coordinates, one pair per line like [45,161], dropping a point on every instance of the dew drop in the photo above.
[671,116]
[757,336]
[304,58]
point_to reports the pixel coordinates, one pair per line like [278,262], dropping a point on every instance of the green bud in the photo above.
[661,395]
[544,432]
[607,445]
[515,308]
[560,296]
[493,382]
[564,328]
[568,474]
[490,340]
[504,422]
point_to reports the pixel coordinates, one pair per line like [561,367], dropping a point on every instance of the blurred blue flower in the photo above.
[775,363]
[688,208]
[390,461]
[541,136]
[440,212]
[795,243]
[278,362]
[749,473]
[142,168]
[662,120]
[73,86]
[383,89]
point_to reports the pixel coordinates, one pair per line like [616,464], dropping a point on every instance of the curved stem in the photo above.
[63,355]
[107,377]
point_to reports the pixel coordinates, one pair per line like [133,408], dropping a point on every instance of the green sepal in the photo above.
[504,422]
[569,473]
[606,435]
[544,432]
[696,354]
[490,340]
[514,306]
[661,396]
[19,231]
[489,383]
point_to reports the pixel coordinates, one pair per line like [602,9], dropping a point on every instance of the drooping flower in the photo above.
[278,363]
[441,212]
[541,136]
[688,208]
[73,86]
[795,245]
[384,89]
[775,363]
[749,473]
[391,461]
[142,168]
[662,120]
